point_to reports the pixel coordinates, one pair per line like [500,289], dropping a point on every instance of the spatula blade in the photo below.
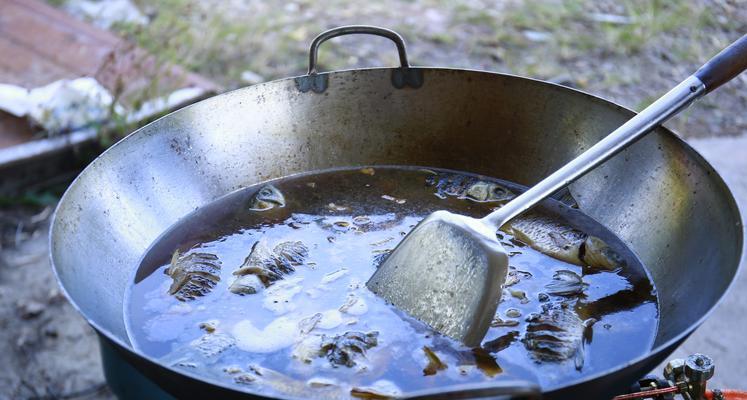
[447,272]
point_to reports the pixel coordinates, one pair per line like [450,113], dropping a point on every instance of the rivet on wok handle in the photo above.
[402,77]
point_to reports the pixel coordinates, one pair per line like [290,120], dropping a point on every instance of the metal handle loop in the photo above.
[357,29]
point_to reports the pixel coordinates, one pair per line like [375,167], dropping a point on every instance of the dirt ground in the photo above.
[48,351]
[627,51]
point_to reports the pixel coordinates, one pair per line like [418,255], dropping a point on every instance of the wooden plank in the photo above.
[21,66]
[37,37]
[40,44]
[76,52]
[14,130]
[58,17]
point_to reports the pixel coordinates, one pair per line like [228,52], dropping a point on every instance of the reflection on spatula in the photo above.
[449,270]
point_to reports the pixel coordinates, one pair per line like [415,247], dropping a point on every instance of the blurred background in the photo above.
[77,75]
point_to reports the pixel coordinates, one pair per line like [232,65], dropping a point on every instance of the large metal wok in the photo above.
[659,196]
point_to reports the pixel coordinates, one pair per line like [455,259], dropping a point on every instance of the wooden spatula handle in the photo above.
[725,65]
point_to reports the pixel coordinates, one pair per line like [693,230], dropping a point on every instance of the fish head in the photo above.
[487,192]
[267,197]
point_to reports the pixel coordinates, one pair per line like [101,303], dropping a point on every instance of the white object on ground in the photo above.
[161,104]
[106,13]
[74,104]
[14,100]
[251,77]
[611,18]
[61,105]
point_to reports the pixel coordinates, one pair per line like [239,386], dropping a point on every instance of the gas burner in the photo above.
[684,377]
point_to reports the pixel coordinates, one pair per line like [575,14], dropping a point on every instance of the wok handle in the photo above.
[726,65]
[510,389]
[353,30]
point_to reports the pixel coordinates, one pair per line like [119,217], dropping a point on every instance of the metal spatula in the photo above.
[449,270]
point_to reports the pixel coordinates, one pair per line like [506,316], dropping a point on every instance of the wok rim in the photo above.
[670,345]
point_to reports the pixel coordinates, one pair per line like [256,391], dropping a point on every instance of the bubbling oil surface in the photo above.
[348,219]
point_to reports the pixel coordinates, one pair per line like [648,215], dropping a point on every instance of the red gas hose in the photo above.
[727,394]
[647,393]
